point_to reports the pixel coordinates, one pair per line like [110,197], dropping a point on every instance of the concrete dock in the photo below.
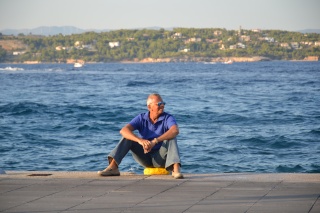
[224,192]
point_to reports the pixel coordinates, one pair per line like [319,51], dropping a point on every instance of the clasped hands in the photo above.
[147,145]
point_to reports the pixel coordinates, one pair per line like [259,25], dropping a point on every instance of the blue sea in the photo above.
[261,117]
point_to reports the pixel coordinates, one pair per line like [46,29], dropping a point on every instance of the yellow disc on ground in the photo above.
[155,171]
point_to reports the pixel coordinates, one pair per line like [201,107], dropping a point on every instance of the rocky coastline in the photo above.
[204,59]
[174,60]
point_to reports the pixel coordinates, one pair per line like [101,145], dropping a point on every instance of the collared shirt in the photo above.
[148,130]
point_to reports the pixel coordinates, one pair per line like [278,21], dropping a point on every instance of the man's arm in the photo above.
[127,132]
[170,134]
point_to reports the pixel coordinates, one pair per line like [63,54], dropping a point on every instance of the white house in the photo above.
[295,45]
[177,35]
[18,53]
[241,45]
[245,38]
[114,44]
[285,45]
[185,50]
[217,32]
[269,39]
[194,40]
[256,30]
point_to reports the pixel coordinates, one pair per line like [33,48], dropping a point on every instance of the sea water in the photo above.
[241,117]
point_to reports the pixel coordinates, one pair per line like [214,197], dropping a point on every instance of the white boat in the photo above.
[228,62]
[77,65]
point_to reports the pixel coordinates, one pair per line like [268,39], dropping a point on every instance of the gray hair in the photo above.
[151,97]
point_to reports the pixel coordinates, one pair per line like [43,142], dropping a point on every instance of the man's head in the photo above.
[155,104]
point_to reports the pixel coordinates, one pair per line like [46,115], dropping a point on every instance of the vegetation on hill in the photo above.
[135,45]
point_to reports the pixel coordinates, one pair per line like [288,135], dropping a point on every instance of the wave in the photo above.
[234,118]
[68,112]
[12,69]
[274,142]
[120,69]
[82,157]
[315,168]
[54,69]
[290,169]
[89,128]
[307,83]
[139,83]
[315,131]
[181,80]
[22,108]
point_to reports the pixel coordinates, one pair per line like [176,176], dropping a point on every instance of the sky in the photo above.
[290,15]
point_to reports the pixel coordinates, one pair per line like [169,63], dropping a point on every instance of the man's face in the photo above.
[157,106]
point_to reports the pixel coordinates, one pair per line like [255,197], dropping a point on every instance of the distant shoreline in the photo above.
[171,60]
[161,60]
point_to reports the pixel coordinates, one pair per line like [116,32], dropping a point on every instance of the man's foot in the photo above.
[177,175]
[109,172]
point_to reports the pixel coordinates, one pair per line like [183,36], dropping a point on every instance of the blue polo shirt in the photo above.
[148,130]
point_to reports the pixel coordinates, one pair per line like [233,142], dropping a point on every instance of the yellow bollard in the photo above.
[155,171]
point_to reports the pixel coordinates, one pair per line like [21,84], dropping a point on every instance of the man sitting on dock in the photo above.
[155,147]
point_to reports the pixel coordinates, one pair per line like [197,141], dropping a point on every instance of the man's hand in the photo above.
[146,144]
[148,147]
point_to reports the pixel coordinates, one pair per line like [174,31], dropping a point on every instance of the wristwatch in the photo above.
[156,139]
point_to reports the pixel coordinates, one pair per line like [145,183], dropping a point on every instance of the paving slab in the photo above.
[43,191]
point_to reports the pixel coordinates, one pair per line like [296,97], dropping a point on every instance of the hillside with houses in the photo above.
[145,45]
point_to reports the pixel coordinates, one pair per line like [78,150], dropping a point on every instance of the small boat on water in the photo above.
[78,65]
[228,62]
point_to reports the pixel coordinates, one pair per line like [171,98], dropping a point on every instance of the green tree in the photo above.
[3,54]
